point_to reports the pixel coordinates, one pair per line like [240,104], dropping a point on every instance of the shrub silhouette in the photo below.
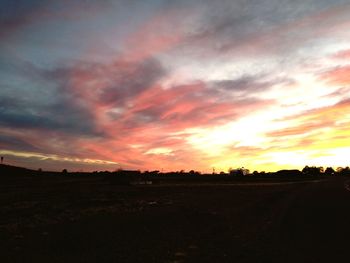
[312,170]
[329,171]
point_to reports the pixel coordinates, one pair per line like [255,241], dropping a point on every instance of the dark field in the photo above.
[88,219]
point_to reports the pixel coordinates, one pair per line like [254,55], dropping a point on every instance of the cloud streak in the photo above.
[178,85]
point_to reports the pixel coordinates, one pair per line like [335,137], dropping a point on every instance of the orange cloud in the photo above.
[301,129]
[315,119]
[337,76]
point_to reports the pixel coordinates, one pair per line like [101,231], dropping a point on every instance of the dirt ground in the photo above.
[58,219]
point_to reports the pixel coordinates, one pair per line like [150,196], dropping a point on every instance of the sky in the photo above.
[175,85]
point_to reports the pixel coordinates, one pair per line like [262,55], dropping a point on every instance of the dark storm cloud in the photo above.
[16,66]
[15,143]
[61,105]
[36,100]
[247,85]
[63,115]
[112,83]
[129,79]
[15,14]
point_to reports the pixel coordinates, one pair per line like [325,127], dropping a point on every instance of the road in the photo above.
[91,221]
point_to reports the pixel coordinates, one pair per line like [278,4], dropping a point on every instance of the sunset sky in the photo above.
[181,84]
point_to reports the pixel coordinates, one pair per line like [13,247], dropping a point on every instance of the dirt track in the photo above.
[89,220]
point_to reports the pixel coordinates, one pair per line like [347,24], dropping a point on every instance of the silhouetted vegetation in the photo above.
[289,173]
[240,172]
[343,171]
[136,177]
[329,171]
[312,170]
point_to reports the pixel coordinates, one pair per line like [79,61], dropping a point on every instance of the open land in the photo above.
[89,219]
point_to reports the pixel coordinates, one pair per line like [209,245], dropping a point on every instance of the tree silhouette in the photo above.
[343,171]
[312,170]
[238,172]
[329,171]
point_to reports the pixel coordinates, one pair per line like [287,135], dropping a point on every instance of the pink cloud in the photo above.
[314,120]
[156,35]
[150,115]
[342,55]
[337,76]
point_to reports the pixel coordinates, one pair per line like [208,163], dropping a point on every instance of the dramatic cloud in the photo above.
[338,76]
[174,84]
[63,115]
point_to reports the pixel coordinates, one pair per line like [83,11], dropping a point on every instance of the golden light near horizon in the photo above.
[327,140]
[264,88]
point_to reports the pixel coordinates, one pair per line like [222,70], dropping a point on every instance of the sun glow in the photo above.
[263,88]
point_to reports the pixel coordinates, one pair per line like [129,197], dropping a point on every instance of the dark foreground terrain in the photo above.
[88,219]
